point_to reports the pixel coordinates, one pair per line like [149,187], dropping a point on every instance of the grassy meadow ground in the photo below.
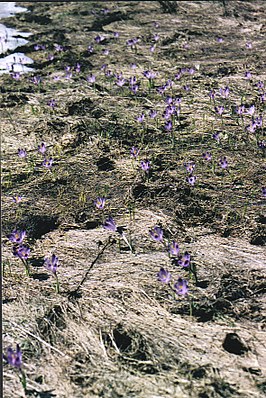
[123,333]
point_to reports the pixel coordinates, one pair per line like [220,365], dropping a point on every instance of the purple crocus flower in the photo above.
[164,276]
[132,80]
[68,75]
[91,78]
[248,75]
[17,236]
[168,126]
[17,199]
[184,261]
[191,179]
[108,73]
[50,57]
[58,47]
[212,94]
[132,42]
[240,109]
[134,88]
[223,162]
[48,163]
[178,76]
[51,264]
[116,35]
[258,121]
[190,166]
[152,113]
[249,45]
[90,49]
[42,148]
[98,39]
[186,87]
[14,358]
[156,234]
[156,37]
[149,74]
[207,156]
[216,136]
[263,190]
[16,75]
[173,248]
[78,67]
[22,153]
[21,251]
[145,165]
[51,103]
[110,224]
[260,85]
[134,152]
[141,118]
[120,81]
[100,203]
[181,286]
[252,127]
[263,97]
[36,80]
[161,90]
[168,100]
[224,92]
[251,110]
[220,39]
[152,48]
[262,144]
[219,110]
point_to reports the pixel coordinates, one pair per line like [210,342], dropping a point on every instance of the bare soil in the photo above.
[123,333]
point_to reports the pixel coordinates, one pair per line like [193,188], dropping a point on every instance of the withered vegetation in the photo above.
[122,333]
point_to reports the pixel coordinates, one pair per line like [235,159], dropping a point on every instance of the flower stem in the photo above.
[26,265]
[57,284]
[23,380]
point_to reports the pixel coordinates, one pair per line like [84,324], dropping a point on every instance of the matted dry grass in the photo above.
[124,334]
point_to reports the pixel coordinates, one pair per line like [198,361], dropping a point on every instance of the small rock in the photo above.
[234,344]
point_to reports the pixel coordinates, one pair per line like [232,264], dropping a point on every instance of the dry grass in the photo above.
[124,334]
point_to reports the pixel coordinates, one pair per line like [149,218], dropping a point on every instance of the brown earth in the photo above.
[124,334]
